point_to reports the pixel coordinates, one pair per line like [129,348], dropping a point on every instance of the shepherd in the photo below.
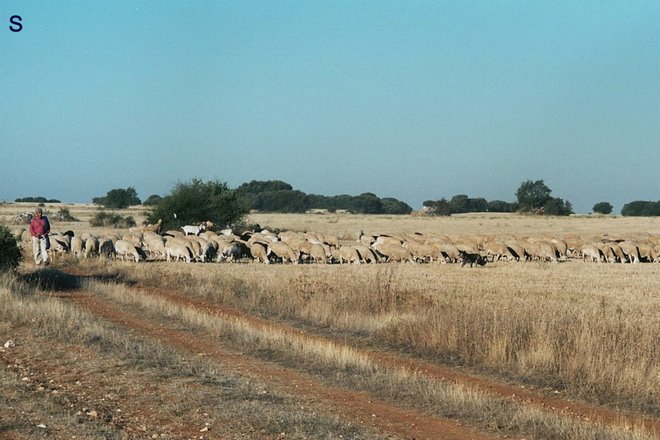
[39,230]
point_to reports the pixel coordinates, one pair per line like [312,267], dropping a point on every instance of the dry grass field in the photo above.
[534,350]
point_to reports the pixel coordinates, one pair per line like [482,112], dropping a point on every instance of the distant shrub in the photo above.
[64,215]
[10,253]
[112,220]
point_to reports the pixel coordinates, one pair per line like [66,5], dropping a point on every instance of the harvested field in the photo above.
[111,349]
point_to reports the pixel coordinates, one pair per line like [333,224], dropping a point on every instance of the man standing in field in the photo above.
[39,229]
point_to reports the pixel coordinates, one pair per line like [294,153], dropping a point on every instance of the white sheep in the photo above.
[77,246]
[125,248]
[177,249]
[91,247]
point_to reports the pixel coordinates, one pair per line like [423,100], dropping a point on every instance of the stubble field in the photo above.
[106,349]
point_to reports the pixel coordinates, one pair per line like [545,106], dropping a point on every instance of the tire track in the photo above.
[348,404]
[581,410]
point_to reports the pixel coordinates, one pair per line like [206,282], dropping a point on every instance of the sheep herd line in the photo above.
[197,243]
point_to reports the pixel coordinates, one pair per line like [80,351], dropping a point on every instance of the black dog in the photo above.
[472,259]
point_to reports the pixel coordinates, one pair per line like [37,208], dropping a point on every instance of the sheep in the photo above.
[106,248]
[178,249]
[173,233]
[259,252]
[367,254]
[91,247]
[231,252]
[591,251]
[495,250]
[517,250]
[607,251]
[349,254]
[283,251]
[421,251]
[193,230]
[125,248]
[631,250]
[77,246]
[318,254]
[155,246]
[59,243]
[393,251]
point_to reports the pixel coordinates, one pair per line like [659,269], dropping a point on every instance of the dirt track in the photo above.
[361,408]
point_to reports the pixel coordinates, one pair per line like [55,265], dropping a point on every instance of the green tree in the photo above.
[500,206]
[394,206]
[641,208]
[152,200]
[438,207]
[603,208]
[197,201]
[118,198]
[478,204]
[532,195]
[367,203]
[557,206]
[259,186]
[459,204]
[10,253]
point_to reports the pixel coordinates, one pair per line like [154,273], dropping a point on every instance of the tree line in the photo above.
[213,200]
[531,197]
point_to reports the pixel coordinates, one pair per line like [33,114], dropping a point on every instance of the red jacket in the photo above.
[39,226]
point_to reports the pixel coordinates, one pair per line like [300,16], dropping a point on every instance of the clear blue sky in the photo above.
[415,100]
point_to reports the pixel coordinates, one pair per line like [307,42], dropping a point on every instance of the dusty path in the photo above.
[349,404]
[527,396]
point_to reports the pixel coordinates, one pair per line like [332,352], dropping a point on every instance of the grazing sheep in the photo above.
[393,251]
[367,240]
[607,251]
[448,252]
[517,250]
[631,250]
[421,251]
[106,248]
[173,233]
[367,254]
[645,252]
[178,249]
[59,243]
[318,254]
[77,247]
[591,251]
[546,251]
[233,251]
[155,246]
[125,248]
[91,247]
[283,251]
[259,252]
[495,250]
[349,255]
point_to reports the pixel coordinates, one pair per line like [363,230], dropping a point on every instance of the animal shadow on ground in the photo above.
[58,281]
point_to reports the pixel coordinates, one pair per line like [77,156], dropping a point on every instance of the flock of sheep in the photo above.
[198,243]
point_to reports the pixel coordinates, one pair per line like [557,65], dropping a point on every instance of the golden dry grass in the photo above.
[585,330]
